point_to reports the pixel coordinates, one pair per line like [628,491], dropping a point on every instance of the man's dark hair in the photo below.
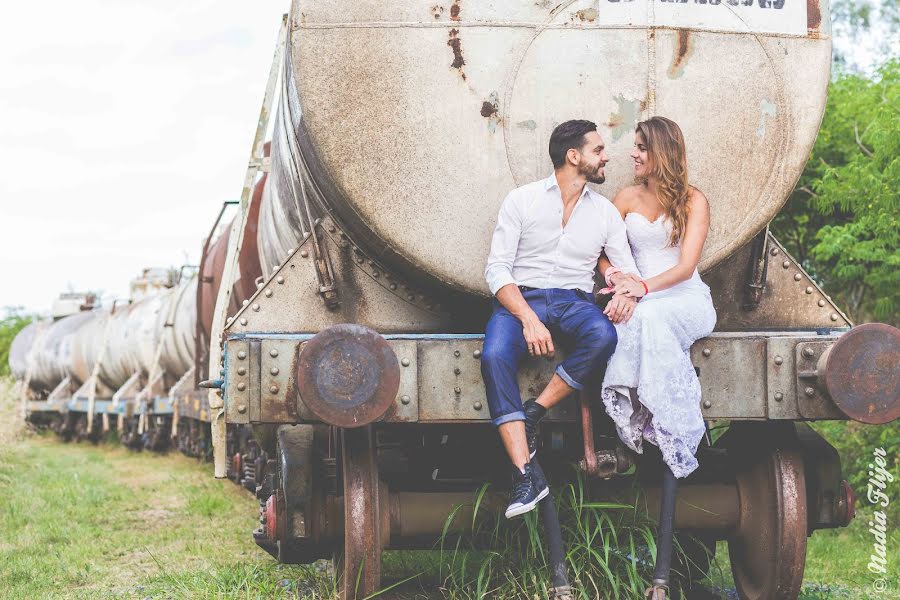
[568,135]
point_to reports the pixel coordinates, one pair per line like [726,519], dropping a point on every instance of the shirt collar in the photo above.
[551,183]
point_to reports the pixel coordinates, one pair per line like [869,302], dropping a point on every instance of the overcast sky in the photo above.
[123,126]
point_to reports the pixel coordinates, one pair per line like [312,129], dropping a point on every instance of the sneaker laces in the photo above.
[522,485]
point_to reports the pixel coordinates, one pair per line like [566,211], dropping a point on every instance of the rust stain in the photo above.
[456,45]
[813,15]
[684,48]
[455,10]
[488,110]
[587,14]
[437,10]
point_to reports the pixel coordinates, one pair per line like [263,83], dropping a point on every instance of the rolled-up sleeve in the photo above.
[504,245]
[617,249]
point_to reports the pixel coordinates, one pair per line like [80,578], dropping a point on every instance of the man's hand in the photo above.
[620,308]
[537,337]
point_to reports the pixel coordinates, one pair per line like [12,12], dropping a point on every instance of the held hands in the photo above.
[631,287]
[620,277]
[620,307]
[537,337]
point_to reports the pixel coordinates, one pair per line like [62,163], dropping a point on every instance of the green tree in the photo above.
[842,220]
[10,325]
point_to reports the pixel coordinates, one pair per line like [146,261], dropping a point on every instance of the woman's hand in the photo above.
[632,288]
[620,277]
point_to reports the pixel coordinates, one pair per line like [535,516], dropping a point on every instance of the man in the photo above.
[546,245]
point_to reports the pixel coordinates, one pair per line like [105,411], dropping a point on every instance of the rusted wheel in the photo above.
[768,551]
[359,567]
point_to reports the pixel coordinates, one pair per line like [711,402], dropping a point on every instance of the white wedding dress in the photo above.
[652,358]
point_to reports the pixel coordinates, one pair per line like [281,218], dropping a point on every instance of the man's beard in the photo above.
[592,175]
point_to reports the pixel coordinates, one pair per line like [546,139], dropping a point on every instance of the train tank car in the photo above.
[100,368]
[400,126]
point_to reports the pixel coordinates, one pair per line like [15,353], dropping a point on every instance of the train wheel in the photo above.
[358,569]
[768,552]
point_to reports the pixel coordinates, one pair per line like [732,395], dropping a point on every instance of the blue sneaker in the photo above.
[534,412]
[525,493]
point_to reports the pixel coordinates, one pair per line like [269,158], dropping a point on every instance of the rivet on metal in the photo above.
[778,360]
[242,408]
[797,276]
[268,293]
[821,302]
[290,251]
[405,362]
[242,371]
[376,274]
[360,260]
[779,396]
[274,371]
[304,253]
[456,353]
[242,386]
[809,352]
[273,352]
[245,303]
[405,399]
[707,352]
[410,297]
[243,321]
[275,268]
[393,286]
[242,355]
[332,228]
[274,389]
[707,404]
[834,317]
[809,290]
[457,370]
[255,307]
[786,264]
[809,391]
[477,406]
[279,280]
[457,389]
[477,354]
[775,251]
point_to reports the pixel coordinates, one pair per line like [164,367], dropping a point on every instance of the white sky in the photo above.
[123,126]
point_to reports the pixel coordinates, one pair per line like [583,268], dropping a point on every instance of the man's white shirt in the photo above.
[531,247]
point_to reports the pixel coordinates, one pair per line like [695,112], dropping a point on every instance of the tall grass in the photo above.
[610,550]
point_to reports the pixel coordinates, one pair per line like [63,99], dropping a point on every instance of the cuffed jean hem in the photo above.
[513,416]
[565,377]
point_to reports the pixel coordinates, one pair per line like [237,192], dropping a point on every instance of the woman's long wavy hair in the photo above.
[665,146]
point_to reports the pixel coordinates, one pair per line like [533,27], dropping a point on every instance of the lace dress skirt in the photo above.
[652,366]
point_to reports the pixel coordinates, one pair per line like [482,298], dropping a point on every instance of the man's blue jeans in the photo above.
[567,312]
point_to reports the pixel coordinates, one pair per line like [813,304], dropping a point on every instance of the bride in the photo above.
[650,389]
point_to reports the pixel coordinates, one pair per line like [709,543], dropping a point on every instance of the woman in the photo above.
[650,388]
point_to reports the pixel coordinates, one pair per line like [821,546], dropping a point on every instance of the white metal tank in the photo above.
[416,117]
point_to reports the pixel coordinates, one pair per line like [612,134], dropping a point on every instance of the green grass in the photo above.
[92,522]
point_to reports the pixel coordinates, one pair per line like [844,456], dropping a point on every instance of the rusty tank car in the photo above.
[356,362]
[338,320]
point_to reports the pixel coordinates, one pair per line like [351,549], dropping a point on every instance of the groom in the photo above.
[546,245]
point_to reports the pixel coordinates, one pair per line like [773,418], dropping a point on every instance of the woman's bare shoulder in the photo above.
[697,200]
[626,197]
